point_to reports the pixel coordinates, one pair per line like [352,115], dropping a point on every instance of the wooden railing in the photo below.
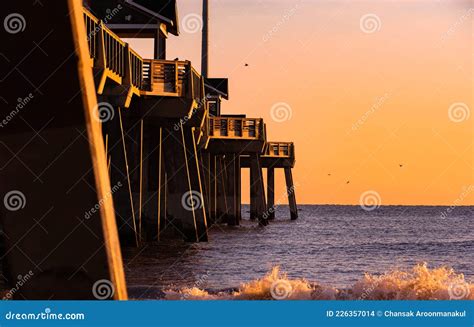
[93,28]
[117,61]
[165,76]
[136,64]
[229,127]
[114,51]
[109,53]
[279,149]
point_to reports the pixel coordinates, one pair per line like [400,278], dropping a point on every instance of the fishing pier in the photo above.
[118,150]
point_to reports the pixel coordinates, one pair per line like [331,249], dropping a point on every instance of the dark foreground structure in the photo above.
[101,148]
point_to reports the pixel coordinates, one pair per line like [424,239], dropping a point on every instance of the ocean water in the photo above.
[333,246]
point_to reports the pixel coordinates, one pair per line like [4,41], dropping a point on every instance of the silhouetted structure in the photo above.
[148,133]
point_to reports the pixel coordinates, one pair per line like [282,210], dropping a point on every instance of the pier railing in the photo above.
[136,66]
[230,127]
[93,27]
[122,64]
[279,149]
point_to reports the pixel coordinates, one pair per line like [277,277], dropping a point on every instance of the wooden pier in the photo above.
[156,153]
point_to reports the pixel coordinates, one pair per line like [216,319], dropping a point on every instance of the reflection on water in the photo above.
[328,245]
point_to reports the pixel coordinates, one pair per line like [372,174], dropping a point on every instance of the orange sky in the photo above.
[369,85]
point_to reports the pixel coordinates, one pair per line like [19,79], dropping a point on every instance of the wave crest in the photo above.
[419,283]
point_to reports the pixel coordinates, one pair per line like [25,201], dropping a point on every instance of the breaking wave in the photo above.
[419,283]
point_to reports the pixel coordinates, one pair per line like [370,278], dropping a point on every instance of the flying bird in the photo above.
[400,165]
[348,182]
[246,65]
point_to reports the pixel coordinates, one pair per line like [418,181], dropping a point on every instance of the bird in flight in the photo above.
[246,65]
[348,182]
[400,165]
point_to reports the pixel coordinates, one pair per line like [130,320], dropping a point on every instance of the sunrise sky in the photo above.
[369,86]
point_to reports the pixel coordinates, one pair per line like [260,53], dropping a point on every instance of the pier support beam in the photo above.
[212,189]
[253,195]
[119,179]
[290,189]
[232,167]
[205,165]
[271,192]
[257,196]
[186,206]
[222,207]
[238,189]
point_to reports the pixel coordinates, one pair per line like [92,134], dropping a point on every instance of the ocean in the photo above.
[329,246]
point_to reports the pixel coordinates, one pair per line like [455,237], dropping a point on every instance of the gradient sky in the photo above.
[362,98]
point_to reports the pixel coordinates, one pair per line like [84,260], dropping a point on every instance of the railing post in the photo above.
[150,74]
[176,76]
[101,60]
[190,80]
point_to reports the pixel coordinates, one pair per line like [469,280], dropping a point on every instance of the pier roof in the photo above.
[141,16]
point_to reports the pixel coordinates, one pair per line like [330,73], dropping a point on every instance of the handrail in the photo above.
[136,63]
[148,76]
[114,51]
[279,149]
[92,29]
[236,127]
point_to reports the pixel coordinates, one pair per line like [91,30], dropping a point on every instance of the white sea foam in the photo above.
[419,283]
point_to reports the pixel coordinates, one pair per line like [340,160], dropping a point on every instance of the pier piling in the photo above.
[258,195]
[271,192]
[290,189]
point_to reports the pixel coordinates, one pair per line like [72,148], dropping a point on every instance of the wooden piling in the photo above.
[238,189]
[185,205]
[212,189]
[258,196]
[195,182]
[231,189]
[221,199]
[180,196]
[253,195]
[271,192]
[290,189]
